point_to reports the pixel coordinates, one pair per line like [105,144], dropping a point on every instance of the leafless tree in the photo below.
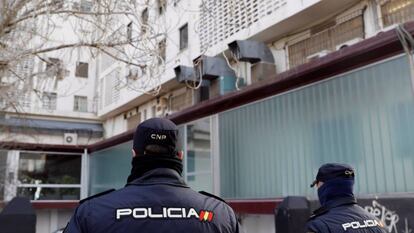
[30,30]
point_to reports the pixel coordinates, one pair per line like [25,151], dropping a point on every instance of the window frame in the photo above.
[77,107]
[17,184]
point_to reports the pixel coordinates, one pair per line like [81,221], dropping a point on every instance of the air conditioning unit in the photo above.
[348,43]
[317,55]
[70,139]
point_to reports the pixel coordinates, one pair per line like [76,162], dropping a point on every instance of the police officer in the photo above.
[156,198]
[339,211]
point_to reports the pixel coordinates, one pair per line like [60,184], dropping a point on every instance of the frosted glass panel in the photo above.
[110,168]
[365,118]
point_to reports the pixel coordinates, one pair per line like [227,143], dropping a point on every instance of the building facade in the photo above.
[336,88]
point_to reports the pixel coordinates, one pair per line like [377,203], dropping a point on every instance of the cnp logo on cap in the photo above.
[158,136]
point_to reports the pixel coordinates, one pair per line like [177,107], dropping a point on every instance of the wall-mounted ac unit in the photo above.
[317,55]
[348,43]
[70,139]
[253,56]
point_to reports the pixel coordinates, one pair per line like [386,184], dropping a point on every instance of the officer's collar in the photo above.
[160,176]
[332,204]
[339,202]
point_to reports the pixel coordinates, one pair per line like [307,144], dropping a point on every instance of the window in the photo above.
[82,5]
[144,21]
[134,120]
[112,87]
[397,11]
[161,6]
[3,172]
[162,50]
[80,104]
[82,69]
[129,31]
[43,176]
[175,2]
[325,37]
[153,111]
[204,92]
[53,64]
[144,70]
[184,37]
[86,6]
[49,100]
[145,115]
[181,99]
[58,4]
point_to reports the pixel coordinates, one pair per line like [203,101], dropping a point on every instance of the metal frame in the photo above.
[215,153]
[49,186]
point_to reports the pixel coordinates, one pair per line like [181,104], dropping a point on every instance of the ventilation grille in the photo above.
[222,19]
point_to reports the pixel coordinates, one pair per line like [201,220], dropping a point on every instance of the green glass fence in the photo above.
[365,118]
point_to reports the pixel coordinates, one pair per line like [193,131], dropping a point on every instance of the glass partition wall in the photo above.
[273,148]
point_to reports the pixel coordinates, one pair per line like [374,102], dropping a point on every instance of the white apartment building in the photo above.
[101,100]
[197,28]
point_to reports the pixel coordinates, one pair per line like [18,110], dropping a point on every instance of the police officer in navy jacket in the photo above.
[339,211]
[156,198]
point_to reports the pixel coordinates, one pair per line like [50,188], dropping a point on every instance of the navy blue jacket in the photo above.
[344,215]
[159,201]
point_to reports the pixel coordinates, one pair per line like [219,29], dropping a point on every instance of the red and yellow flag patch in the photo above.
[206,216]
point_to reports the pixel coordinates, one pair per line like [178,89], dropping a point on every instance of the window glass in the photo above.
[49,168]
[82,69]
[49,100]
[80,104]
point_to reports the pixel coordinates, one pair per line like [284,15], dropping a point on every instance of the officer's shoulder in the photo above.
[212,195]
[317,213]
[96,195]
